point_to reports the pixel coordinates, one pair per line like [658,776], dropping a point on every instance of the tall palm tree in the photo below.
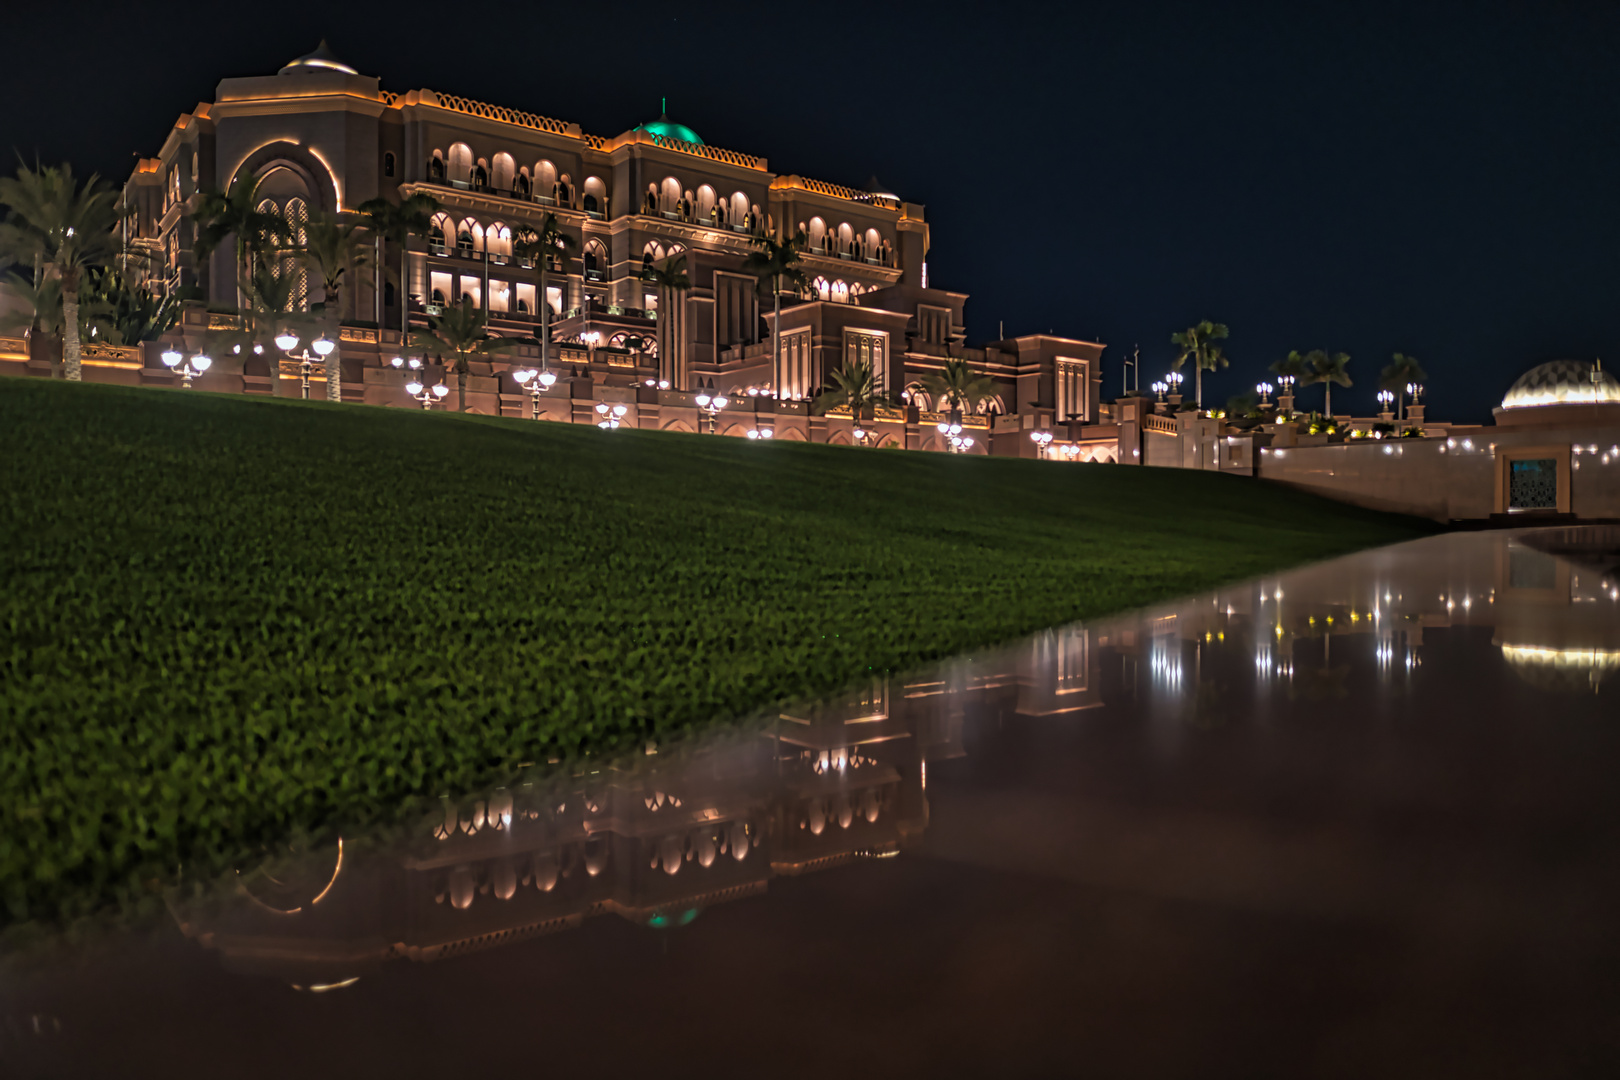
[461,332]
[542,244]
[63,228]
[268,307]
[333,247]
[1197,343]
[957,386]
[1292,366]
[672,280]
[396,224]
[776,265]
[222,215]
[1327,369]
[1401,371]
[855,385]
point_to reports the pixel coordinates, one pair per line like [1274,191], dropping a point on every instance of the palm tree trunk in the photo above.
[70,334]
[1327,400]
[1198,384]
[776,337]
[334,376]
[461,387]
[545,317]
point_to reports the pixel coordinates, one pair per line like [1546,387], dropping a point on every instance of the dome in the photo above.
[669,129]
[1563,382]
[321,59]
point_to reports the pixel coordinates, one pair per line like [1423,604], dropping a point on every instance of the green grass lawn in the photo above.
[225,619]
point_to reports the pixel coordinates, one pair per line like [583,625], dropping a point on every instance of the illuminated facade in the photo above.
[320,137]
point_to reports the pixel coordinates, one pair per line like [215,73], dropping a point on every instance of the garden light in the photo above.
[176,362]
[286,341]
[322,346]
[1041,439]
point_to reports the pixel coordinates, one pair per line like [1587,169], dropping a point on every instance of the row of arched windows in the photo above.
[846,243]
[672,200]
[501,175]
[839,292]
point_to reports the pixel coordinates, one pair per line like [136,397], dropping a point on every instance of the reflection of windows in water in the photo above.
[1071,661]
[1531,570]
[1533,485]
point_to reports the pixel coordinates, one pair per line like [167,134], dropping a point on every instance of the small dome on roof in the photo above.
[322,59]
[1563,382]
[669,129]
[874,186]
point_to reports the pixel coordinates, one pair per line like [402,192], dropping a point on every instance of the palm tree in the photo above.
[37,311]
[957,387]
[126,314]
[672,280]
[1293,367]
[222,215]
[268,293]
[776,266]
[61,228]
[1197,343]
[332,248]
[855,385]
[1327,369]
[542,245]
[396,224]
[461,332]
[1401,372]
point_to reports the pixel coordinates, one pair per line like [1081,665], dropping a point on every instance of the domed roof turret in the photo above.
[1563,382]
[322,59]
[669,129]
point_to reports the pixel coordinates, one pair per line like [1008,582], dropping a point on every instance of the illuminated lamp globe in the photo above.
[322,346]
[286,341]
[547,379]
[522,377]
[703,401]
[440,390]
[413,388]
[201,362]
[171,358]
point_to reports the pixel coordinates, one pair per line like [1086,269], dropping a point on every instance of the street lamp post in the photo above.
[186,369]
[287,341]
[1285,393]
[710,405]
[1264,390]
[611,415]
[761,433]
[537,382]
[1041,439]
[1386,398]
[1161,388]
[1174,380]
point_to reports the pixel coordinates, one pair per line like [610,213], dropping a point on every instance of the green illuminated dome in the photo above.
[669,129]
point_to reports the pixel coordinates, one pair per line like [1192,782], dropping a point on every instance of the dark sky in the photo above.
[1369,178]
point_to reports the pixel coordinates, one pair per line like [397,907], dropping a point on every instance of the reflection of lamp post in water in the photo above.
[537,382]
[192,368]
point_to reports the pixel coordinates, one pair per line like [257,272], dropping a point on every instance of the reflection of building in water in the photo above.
[655,839]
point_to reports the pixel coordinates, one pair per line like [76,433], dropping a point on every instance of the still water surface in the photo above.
[1361,819]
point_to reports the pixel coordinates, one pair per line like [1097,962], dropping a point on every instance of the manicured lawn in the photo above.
[227,618]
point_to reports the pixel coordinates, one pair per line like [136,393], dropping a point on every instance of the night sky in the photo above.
[1438,180]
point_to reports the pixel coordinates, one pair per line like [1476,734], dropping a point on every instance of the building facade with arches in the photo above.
[641,209]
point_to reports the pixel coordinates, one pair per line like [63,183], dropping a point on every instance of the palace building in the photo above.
[318,136]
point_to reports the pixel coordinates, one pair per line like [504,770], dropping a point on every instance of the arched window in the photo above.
[840,292]
[520,186]
[502,170]
[436,168]
[498,238]
[874,245]
[297,215]
[545,181]
[705,202]
[439,238]
[823,290]
[565,191]
[817,234]
[669,200]
[846,239]
[480,177]
[739,209]
[461,163]
[595,261]
[390,294]
[594,195]
[388,164]
[589,204]
[438,297]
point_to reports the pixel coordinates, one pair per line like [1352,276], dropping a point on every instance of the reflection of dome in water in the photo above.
[1580,670]
[1562,382]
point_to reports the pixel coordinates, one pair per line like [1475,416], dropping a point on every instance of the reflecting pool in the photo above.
[1360,819]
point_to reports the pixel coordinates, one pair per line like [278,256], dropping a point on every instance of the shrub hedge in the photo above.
[226,619]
